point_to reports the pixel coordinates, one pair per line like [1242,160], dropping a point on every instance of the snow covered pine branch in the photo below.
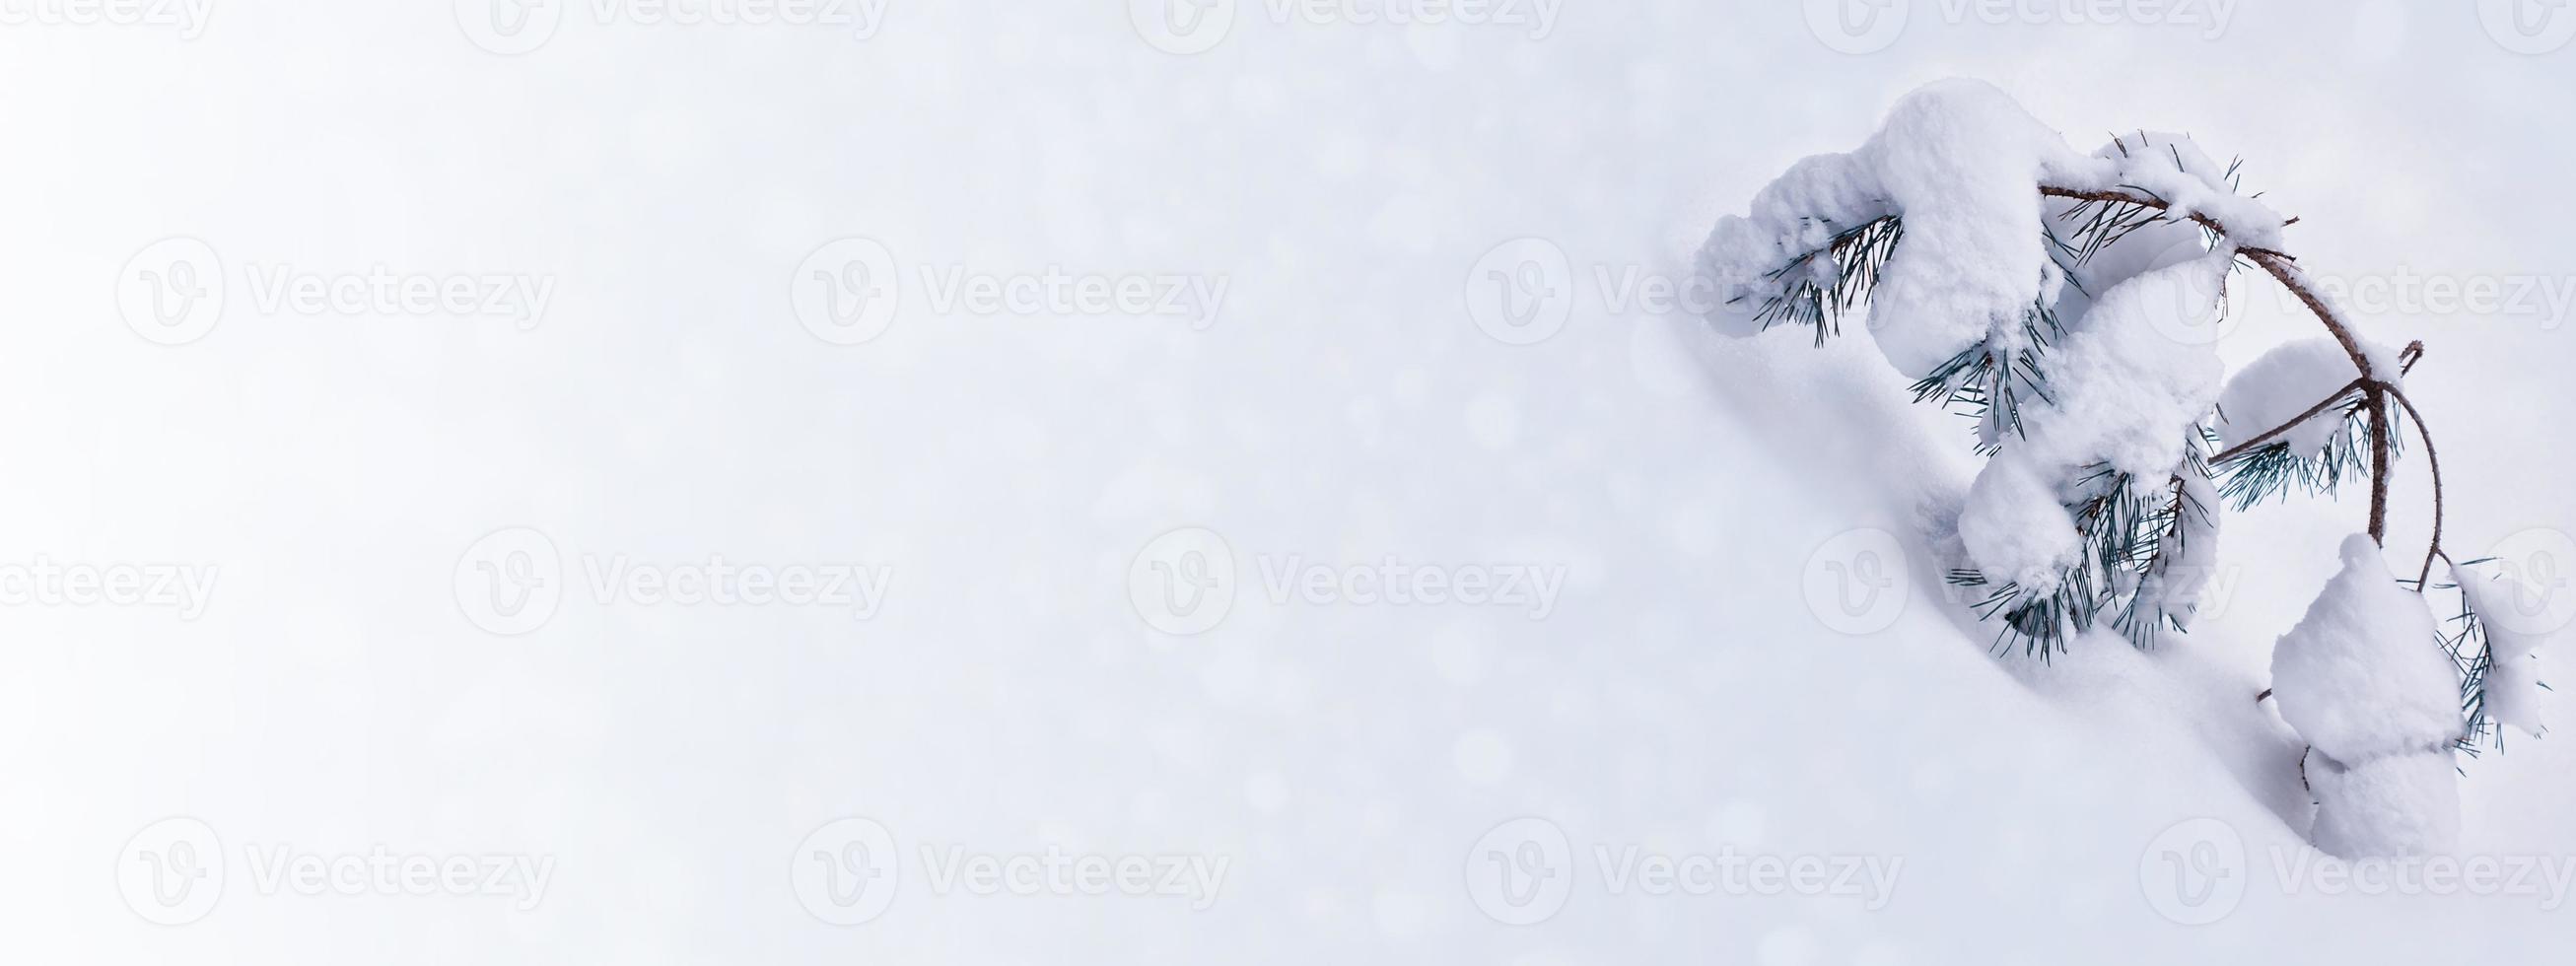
[2066,302]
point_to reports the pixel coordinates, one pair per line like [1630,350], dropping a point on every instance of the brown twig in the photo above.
[2266,436]
[2280,265]
[2377,394]
[2432,460]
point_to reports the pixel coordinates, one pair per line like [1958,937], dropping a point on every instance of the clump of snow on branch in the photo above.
[2512,688]
[2014,527]
[2364,680]
[2125,390]
[2123,395]
[2174,170]
[2281,384]
[1958,161]
[1961,164]
[2363,674]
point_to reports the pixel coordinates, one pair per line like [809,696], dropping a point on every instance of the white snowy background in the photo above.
[1346,181]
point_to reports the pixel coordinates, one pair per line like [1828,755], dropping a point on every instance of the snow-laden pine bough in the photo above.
[2069,304]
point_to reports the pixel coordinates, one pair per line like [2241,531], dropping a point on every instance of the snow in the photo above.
[2123,393]
[2388,806]
[2281,384]
[1959,161]
[2014,528]
[2150,246]
[1799,212]
[2363,674]
[2514,691]
[2123,389]
[2365,681]
[1008,698]
[2191,563]
[2173,168]
[1962,165]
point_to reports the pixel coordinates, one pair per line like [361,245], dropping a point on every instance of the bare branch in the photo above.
[2266,436]
[2433,460]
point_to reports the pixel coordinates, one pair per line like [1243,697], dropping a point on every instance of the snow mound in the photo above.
[2363,674]
[2387,806]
